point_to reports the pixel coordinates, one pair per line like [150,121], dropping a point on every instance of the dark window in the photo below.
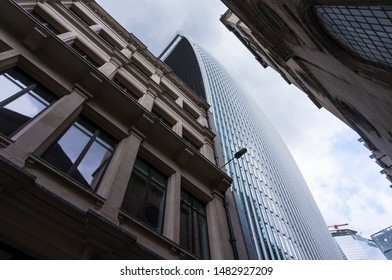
[81,16]
[85,56]
[190,111]
[125,89]
[193,226]
[83,152]
[45,23]
[108,39]
[21,99]
[364,31]
[162,119]
[145,195]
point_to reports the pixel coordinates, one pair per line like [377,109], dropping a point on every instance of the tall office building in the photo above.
[383,239]
[338,53]
[279,217]
[355,247]
[99,155]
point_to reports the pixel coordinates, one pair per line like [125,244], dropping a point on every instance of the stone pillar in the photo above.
[46,127]
[171,227]
[207,150]
[220,247]
[177,128]
[108,69]
[147,100]
[115,181]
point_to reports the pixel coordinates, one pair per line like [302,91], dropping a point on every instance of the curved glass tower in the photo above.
[279,217]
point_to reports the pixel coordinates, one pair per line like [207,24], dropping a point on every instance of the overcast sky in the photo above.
[345,182]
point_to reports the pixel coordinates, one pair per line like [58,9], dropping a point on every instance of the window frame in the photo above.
[23,91]
[74,166]
[138,173]
[190,206]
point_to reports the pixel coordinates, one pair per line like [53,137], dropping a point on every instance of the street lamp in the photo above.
[237,155]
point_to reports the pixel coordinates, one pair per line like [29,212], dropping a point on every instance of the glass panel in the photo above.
[186,227]
[74,141]
[94,162]
[369,26]
[205,251]
[158,177]
[134,196]
[8,87]
[142,166]
[153,211]
[29,104]
[17,112]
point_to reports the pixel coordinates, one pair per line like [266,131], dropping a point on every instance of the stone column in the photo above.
[171,227]
[218,236]
[115,181]
[108,69]
[46,127]
[147,100]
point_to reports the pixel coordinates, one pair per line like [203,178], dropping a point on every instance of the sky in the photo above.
[345,182]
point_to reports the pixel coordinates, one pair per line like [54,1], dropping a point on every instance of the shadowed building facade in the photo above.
[104,153]
[339,53]
[278,215]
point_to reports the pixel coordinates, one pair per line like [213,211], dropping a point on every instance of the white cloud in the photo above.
[346,184]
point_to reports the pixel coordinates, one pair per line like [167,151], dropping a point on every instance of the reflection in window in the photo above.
[21,99]
[366,31]
[193,226]
[83,152]
[145,195]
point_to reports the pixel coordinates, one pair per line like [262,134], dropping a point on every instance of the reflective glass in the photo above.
[145,195]
[17,104]
[193,226]
[367,26]
[133,199]
[29,104]
[94,161]
[73,142]
[8,87]
[81,153]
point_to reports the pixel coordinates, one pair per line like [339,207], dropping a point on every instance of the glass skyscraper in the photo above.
[279,217]
[383,239]
[355,247]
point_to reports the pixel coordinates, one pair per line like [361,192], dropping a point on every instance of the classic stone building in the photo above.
[105,154]
[338,52]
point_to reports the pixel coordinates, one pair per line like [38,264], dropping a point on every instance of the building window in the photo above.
[125,89]
[193,226]
[191,140]
[81,15]
[45,23]
[145,195]
[108,39]
[364,31]
[85,56]
[83,152]
[163,119]
[21,99]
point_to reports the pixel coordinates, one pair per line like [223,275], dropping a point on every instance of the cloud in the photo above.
[345,183]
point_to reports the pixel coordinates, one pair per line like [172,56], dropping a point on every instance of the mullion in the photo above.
[146,194]
[12,98]
[83,153]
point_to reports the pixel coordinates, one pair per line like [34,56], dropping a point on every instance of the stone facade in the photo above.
[105,83]
[339,53]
